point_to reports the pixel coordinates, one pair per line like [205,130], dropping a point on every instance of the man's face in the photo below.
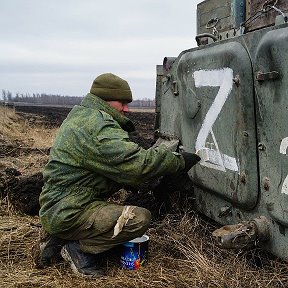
[121,106]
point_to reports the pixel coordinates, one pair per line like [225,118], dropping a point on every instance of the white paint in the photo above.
[213,159]
[204,154]
[284,145]
[283,150]
[230,163]
[222,78]
[213,78]
[284,189]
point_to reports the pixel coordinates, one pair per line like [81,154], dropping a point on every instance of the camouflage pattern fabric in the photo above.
[91,158]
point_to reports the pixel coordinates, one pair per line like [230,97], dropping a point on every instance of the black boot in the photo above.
[49,251]
[83,264]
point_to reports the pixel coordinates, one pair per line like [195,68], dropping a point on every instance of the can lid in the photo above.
[141,239]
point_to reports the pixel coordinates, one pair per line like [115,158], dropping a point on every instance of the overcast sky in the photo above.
[60,46]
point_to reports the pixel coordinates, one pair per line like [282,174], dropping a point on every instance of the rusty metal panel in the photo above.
[264,14]
[220,15]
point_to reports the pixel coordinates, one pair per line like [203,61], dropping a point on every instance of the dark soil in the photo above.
[51,116]
[23,193]
[144,124]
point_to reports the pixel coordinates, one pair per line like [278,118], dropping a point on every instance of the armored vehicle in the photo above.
[227,100]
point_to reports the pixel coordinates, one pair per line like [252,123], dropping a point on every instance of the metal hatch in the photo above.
[218,119]
[271,86]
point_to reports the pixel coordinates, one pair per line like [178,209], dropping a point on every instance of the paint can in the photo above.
[135,253]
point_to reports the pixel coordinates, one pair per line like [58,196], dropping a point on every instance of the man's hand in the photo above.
[190,160]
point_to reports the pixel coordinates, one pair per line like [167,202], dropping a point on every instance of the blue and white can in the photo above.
[135,253]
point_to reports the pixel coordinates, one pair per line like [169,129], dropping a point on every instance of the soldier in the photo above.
[91,158]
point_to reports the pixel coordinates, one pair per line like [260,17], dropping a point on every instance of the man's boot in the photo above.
[49,250]
[83,264]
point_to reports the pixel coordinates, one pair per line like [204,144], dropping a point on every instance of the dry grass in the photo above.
[27,164]
[17,135]
[15,130]
[181,255]
[9,124]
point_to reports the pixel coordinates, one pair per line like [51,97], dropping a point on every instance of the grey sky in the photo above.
[60,46]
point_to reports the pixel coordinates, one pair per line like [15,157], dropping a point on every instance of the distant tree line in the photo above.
[43,98]
[50,99]
[143,103]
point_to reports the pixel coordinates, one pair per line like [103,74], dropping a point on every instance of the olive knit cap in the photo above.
[110,87]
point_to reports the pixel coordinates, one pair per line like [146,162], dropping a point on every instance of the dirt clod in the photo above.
[24,193]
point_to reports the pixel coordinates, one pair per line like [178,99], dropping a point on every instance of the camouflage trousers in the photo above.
[109,225]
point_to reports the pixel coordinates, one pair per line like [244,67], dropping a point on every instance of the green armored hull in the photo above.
[228,100]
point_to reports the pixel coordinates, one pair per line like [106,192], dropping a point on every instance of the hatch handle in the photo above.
[200,36]
[262,76]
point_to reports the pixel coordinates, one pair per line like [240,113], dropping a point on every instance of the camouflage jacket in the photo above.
[89,160]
